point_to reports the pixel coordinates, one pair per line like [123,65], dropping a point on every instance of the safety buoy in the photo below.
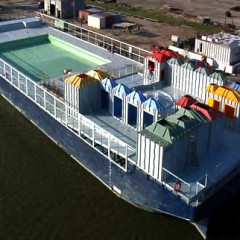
[177,186]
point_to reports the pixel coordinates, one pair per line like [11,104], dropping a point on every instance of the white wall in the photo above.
[96,22]
[149,156]
[212,62]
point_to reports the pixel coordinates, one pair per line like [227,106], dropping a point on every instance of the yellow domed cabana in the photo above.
[98,74]
[81,80]
[83,93]
[224,99]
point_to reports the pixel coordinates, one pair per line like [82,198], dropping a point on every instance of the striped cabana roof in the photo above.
[81,80]
[202,70]
[224,92]
[176,61]
[236,86]
[164,55]
[108,84]
[136,97]
[185,101]
[218,76]
[97,74]
[188,65]
[121,90]
[152,105]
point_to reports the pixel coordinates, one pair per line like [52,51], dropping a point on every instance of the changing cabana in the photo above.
[107,94]
[133,109]
[227,100]
[119,101]
[151,109]
[82,93]
[236,86]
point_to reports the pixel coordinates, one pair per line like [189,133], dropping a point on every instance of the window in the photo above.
[151,65]
[229,111]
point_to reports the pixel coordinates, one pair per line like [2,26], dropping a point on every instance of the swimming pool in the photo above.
[45,57]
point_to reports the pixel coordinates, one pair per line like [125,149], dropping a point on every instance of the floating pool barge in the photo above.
[123,113]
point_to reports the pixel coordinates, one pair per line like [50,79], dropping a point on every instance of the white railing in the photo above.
[187,190]
[124,49]
[91,133]
[122,72]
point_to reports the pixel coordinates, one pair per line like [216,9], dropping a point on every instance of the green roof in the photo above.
[166,131]
[202,71]
[188,65]
[218,76]
[177,61]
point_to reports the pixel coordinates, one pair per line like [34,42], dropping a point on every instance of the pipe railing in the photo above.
[188,190]
[124,49]
[67,116]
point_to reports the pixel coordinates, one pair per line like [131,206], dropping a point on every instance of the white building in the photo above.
[221,50]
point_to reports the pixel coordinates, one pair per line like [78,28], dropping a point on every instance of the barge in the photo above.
[159,130]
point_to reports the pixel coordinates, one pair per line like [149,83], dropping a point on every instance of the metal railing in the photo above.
[187,190]
[102,141]
[118,47]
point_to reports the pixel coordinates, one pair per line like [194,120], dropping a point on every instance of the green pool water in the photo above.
[46,57]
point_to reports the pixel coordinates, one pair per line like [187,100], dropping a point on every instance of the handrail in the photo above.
[8,75]
[85,29]
[178,178]
[130,48]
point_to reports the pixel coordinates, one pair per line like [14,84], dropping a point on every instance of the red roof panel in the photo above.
[164,55]
[209,112]
[186,101]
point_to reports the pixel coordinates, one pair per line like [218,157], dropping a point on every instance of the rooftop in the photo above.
[223,38]
[166,130]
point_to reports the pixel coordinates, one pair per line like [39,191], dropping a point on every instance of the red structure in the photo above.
[210,113]
[186,101]
[163,55]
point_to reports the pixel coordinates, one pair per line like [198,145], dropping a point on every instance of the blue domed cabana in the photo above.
[151,109]
[236,86]
[119,101]
[107,93]
[133,108]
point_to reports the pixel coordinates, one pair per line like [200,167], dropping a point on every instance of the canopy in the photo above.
[81,80]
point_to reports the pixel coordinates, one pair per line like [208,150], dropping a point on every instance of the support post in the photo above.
[109,147]
[126,159]
[93,135]
[35,93]
[55,108]
[44,99]
[18,80]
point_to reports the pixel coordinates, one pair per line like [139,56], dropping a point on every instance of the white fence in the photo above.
[113,148]
[127,50]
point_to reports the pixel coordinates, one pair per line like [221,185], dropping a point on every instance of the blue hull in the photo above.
[135,186]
